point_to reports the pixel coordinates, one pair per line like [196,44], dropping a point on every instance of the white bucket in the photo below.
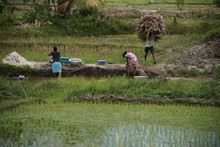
[140,77]
[75,61]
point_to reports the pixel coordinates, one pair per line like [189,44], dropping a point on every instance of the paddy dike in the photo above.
[70,69]
[201,58]
[156,100]
[124,100]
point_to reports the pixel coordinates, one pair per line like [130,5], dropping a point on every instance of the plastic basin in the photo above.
[64,59]
[75,61]
[101,62]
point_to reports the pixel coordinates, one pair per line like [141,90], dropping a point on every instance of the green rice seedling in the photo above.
[124,124]
[153,135]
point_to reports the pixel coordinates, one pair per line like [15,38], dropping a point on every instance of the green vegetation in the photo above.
[13,71]
[77,25]
[34,44]
[36,111]
[213,34]
[86,124]
[217,72]
[217,3]
[52,89]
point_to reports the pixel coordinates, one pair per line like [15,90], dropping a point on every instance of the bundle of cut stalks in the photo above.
[150,26]
[62,7]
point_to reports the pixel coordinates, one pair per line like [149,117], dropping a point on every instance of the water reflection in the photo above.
[158,136]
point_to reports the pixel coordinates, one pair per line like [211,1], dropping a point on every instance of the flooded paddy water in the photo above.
[102,124]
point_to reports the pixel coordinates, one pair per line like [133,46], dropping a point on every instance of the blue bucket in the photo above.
[64,59]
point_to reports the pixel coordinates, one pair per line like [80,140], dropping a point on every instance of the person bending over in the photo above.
[132,63]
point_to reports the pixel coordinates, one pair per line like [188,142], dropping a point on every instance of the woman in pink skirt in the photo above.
[132,63]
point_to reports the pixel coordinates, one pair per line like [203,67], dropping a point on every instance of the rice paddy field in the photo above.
[47,118]
[100,124]
[38,112]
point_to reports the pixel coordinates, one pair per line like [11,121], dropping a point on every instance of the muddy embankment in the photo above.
[70,68]
[202,58]
[156,100]
[125,100]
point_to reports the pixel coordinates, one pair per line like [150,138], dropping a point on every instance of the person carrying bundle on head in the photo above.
[149,46]
[150,29]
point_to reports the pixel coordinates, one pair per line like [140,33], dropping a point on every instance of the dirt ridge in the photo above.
[156,100]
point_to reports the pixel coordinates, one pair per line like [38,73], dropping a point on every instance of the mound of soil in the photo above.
[204,57]
[15,59]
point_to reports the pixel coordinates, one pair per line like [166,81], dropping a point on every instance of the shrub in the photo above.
[216,72]
[93,25]
[212,34]
[8,19]
[217,3]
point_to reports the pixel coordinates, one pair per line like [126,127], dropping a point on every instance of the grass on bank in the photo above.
[60,90]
